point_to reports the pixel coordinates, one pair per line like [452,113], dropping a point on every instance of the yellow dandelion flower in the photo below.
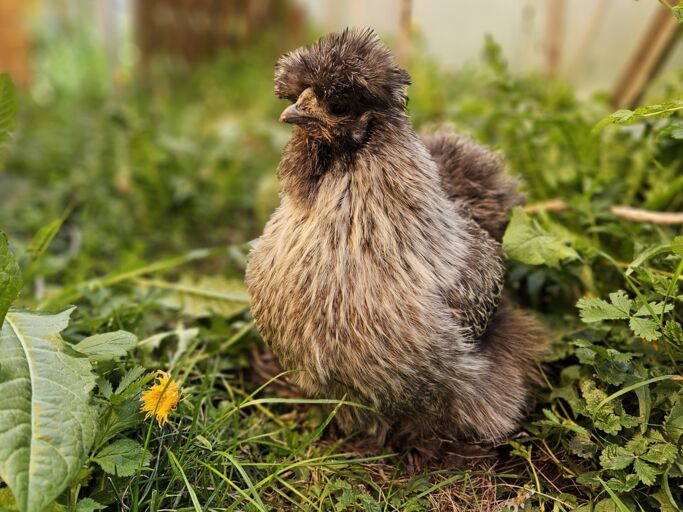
[161,398]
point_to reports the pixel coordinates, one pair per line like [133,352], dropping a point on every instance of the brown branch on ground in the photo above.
[623,212]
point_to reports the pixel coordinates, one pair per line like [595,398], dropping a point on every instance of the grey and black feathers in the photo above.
[379,277]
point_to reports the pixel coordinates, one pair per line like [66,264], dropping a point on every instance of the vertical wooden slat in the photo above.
[659,39]
[554,36]
[14,46]
[193,30]
[405,20]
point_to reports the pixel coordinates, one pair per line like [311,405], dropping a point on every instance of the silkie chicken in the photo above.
[379,277]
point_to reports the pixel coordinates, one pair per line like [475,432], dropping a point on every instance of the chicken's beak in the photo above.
[293,115]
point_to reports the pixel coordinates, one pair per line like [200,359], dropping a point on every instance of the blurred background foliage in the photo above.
[159,154]
[151,148]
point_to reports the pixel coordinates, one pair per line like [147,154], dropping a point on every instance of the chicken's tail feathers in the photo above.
[513,346]
[474,177]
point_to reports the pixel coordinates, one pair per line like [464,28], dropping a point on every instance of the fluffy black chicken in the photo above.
[379,277]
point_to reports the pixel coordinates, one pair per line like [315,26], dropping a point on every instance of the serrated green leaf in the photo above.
[104,387]
[107,346]
[625,116]
[591,478]
[47,423]
[615,457]
[131,376]
[10,277]
[660,453]
[621,301]
[602,413]
[526,241]
[637,445]
[645,328]
[658,308]
[122,457]
[646,472]
[582,445]
[595,310]
[626,485]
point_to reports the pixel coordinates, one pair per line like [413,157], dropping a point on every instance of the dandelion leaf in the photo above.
[123,457]
[47,423]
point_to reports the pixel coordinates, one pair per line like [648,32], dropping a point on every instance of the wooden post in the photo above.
[14,54]
[647,59]
[194,30]
[404,31]
[554,36]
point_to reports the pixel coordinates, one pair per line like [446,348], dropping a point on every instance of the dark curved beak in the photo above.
[293,115]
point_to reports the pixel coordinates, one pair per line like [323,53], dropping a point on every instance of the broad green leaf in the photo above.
[202,297]
[645,328]
[153,342]
[107,346]
[122,457]
[47,423]
[527,242]
[8,108]
[89,505]
[10,277]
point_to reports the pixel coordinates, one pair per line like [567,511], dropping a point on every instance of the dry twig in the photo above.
[623,212]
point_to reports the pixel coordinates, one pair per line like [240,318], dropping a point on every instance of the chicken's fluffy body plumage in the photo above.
[378,279]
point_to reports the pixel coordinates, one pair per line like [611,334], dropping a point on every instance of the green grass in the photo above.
[149,178]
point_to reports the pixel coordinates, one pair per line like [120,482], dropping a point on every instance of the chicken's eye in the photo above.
[339,109]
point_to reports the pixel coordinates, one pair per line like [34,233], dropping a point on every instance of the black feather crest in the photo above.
[351,62]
